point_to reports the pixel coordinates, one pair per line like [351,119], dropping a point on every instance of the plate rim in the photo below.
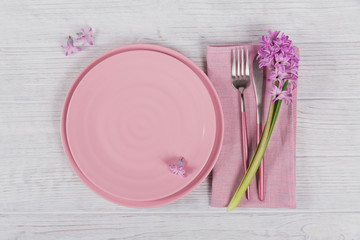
[219,133]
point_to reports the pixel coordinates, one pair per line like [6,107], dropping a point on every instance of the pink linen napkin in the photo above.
[280,159]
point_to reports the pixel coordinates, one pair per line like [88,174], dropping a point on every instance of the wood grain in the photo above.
[41,197]
[257,226]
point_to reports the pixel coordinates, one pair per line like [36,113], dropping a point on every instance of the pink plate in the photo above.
[134,111]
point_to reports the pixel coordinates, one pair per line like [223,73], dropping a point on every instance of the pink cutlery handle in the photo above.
[244,147]
[261,167]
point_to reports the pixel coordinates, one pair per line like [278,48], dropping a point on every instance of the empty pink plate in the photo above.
[134,111]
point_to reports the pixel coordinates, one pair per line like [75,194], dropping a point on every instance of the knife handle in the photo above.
[261,167]
[244,146]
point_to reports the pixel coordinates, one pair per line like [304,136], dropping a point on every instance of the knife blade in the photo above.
[258,81]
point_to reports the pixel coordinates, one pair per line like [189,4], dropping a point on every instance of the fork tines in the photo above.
[239,66]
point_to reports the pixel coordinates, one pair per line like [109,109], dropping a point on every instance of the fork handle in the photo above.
[244,141]
[261,167]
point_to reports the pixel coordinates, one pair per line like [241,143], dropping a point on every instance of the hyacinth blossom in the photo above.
[85,37]
[69,48]
[278,55]
[178,169]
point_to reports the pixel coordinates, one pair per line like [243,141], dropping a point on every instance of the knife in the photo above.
[258,80]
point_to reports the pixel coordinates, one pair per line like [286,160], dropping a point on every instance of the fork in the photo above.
[240,76]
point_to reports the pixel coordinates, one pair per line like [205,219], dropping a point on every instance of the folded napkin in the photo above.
[280,159]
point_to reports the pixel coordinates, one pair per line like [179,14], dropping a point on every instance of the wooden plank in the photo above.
[308,21]
[328,127]
[47,184]
[277,226]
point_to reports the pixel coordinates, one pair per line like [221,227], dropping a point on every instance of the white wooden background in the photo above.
[42,198]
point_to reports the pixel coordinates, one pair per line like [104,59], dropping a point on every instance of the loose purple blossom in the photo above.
[178,169]
[85,37]
[70,48]
[278,54]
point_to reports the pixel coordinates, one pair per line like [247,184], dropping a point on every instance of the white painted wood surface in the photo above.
[41,197]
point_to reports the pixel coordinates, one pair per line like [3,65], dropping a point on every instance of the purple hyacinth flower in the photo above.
[278,55]
[70,48]
[85,37]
